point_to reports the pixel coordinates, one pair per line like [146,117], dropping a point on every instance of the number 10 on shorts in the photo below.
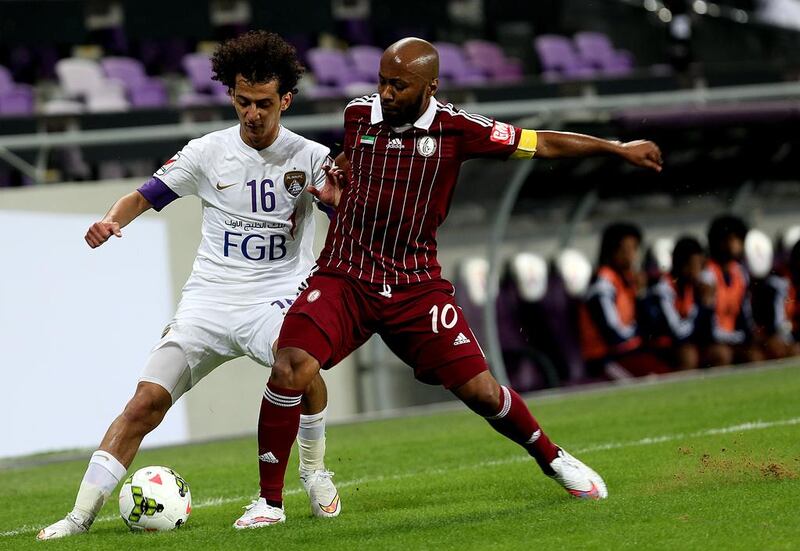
[448,318]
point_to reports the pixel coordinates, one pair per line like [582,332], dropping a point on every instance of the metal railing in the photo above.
[546,110]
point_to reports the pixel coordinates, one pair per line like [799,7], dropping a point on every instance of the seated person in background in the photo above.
[728,339]
[607,319]
[775,311]
[677,305]
[792,308]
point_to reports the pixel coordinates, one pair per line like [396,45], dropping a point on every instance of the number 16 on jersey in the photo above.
[265,193]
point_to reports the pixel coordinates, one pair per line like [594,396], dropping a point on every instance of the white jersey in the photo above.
[258,224]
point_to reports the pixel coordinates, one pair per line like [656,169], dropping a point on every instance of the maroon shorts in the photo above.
[421,323]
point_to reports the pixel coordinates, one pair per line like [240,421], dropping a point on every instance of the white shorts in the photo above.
[210,333]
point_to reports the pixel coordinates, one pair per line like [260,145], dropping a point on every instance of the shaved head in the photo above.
[416,56]
[408,78]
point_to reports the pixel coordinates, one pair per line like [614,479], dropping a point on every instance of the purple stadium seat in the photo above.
[151,94]
[330,67]
[454,67]
[198,68]
[17,100]
[559,59]
[142,90]
[334,74]
[596,48]
[490,58]
[127,70]
[366,61]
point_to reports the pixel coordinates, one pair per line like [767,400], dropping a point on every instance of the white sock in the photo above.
[311,441]
[102,476]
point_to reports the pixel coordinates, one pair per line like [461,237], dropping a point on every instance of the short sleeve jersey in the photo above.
[258,224]
[400,187]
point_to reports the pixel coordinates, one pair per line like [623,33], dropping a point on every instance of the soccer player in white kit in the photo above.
[256,182]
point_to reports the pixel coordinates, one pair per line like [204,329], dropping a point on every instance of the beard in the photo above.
[407,115]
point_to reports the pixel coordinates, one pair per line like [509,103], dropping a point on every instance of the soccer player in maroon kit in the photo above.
[378,272]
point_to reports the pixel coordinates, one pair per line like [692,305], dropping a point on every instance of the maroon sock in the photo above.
[515,422]
[278,422]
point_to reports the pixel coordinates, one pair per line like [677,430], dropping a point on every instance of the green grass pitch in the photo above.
[708,462]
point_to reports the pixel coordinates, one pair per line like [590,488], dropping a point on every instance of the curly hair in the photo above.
[259,56]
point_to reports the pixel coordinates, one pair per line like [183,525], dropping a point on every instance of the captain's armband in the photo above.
[527,145]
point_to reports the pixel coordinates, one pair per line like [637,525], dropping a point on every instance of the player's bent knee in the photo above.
[294,368]
[281,374]
[148,406]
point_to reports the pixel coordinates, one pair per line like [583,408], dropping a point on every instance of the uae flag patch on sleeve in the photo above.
[367,140]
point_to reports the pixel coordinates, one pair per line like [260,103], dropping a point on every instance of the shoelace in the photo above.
[253,504]
[314,475]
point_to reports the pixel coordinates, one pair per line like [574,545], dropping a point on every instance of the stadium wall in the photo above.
[73,368]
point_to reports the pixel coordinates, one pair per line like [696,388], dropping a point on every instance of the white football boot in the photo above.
[67,526]
[259,514]
[578,479]
[322,493]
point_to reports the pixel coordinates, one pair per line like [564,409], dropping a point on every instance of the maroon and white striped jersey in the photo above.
[400,187]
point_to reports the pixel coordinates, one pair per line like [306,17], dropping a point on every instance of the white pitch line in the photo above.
[753,425]
[647,441]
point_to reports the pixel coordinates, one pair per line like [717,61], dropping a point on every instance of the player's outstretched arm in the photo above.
[554,145]
[122,213]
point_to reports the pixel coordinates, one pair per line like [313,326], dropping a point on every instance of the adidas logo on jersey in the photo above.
[461,339]
[268,457]
[395,143]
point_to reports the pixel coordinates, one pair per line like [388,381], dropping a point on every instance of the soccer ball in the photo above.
[155,499]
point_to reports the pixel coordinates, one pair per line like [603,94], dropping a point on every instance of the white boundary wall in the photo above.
[77,324]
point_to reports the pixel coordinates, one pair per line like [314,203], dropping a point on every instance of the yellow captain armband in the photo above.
[527,145]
